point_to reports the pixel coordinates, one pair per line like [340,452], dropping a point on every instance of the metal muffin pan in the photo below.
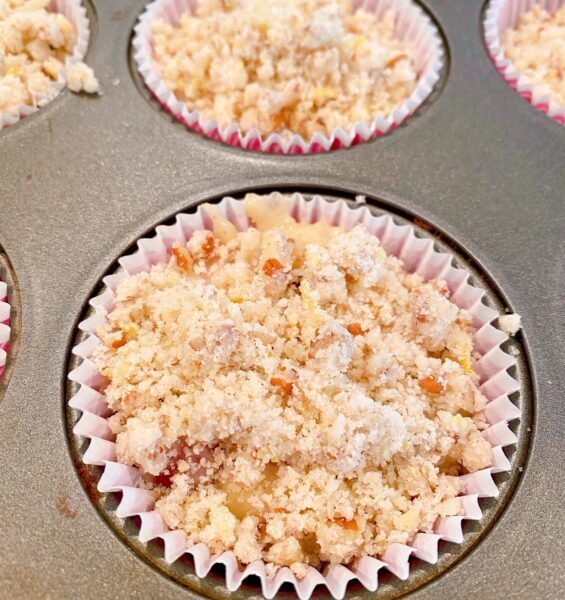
[85,177]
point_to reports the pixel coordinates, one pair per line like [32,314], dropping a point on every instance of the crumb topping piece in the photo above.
[81,78]
[284,398]
[510,324]
[537,48]
[285,66]
[34,44]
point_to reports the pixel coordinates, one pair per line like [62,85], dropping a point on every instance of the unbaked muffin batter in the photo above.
[291,393]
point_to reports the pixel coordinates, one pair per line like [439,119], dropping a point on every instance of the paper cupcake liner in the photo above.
[413,26]
[500,16]
[4,326]
[76,13]
[419,255]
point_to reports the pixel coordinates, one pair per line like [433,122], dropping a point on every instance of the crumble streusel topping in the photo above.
[291,393]
[285,66]
[537,48]
[510,324]
[34,44]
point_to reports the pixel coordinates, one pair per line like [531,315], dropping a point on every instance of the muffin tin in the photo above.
[82,179]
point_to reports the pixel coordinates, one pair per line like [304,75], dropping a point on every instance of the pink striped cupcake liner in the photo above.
[76,13]
[500,16]
[4,326]
[413,26]
[418,255]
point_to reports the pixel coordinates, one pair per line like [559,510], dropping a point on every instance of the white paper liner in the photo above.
[500,16]
[417,254]
[76,13]
[4,326]
[413,26]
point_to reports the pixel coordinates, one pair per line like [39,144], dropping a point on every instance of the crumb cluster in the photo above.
[34,44]
[510,323]
[291,393]
[285,66]
[536,47]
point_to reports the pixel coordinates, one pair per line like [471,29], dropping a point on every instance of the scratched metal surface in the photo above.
[85,177]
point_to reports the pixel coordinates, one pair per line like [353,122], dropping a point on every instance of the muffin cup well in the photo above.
[500,16]
[76,13]
[412,26]
[4,325]
[418,255]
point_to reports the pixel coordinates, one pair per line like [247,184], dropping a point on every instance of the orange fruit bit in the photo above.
[350,524]
[421,318]
[281,119]
[129,401]
[208,245]
[431,385]
[349,278]
[395,60]
[272,266]
[355,329]
[285,386]
[280,511]
[121,341]
[182,256]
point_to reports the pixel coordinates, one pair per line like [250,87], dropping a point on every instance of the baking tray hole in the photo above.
[172,120]
[182,572]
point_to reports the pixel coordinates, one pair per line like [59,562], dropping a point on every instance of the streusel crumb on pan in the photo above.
[34,45]
[536,47]
[291,393]
[285,66]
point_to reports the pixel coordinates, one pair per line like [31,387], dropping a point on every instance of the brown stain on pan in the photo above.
[63,507]
[422,224]
[89,480]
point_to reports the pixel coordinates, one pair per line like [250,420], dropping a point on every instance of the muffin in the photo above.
[36,48]
[527,44]
[287,69]
[290,393]
[536,47]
